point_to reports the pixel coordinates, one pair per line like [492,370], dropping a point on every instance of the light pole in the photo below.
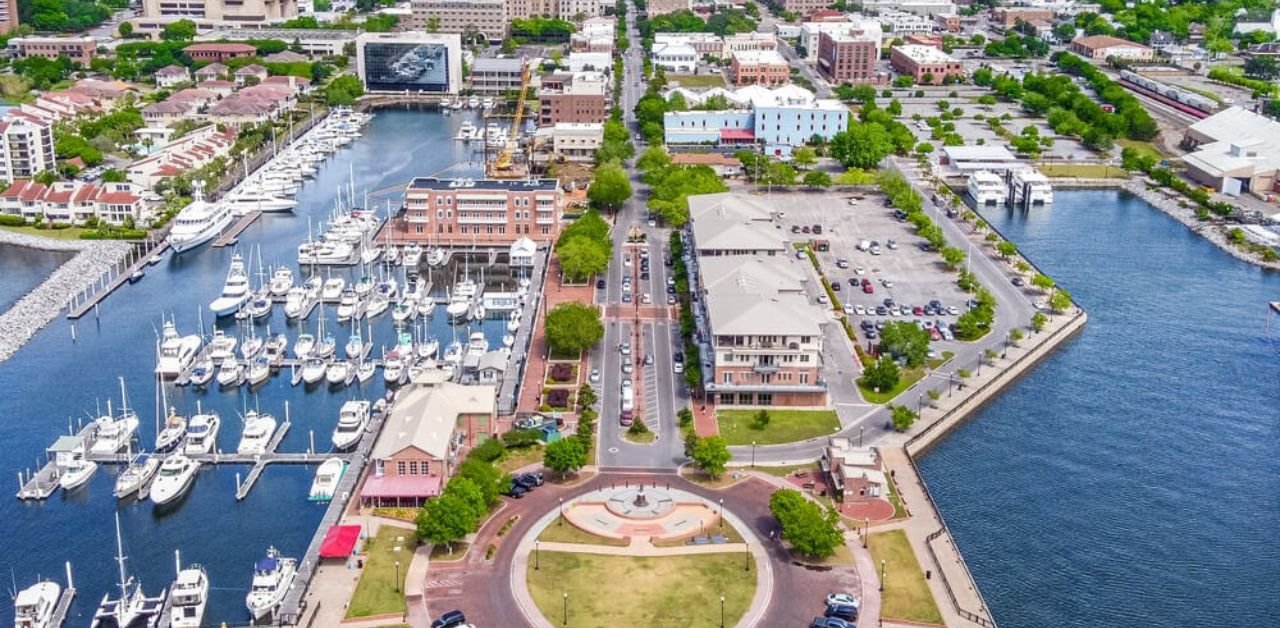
[753,454]
[881,576]
[397,576]
[860,428]
[566,608]
[722,611]
[866,528]
[722,513]
[561,511]
[951,377]
[746,557]
[536,566]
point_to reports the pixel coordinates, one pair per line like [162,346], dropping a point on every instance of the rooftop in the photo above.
[759,57]
[1104,41]
[924,54]
[425,416]
[227,47]
[506,185]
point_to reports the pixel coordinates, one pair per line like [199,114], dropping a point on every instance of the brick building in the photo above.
[925,64]
[78,49]
[482,212]
[579,97]
[759,67]
[219,51]
[847,56]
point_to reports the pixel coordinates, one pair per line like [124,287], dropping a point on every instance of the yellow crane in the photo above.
[502,164]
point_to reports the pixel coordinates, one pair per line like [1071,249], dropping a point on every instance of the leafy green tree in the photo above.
[343,91]
[804,157]
[924,148]
[953,257]
[1038,321]
[1015,336]
[611,187]
[883,374]
[817,179]
[565,455]
[1006,248]
[903,417]
[711,454]
[809,530]
[654,158]
[181,30]
[761,419]
[573,327]
[906,340]
[580,258]
[1042,281]
[470,494]
[445,520]
[1060,300]
[863,145]
[484,475]
[894,108]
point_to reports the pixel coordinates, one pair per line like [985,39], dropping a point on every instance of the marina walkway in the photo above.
[232,235]
[555,292]
[510,388]
[85,302]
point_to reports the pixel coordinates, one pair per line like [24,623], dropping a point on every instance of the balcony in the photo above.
[764,368]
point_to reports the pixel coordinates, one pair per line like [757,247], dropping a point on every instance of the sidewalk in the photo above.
[535,372]
[704,418]
[640,546]
[334,583]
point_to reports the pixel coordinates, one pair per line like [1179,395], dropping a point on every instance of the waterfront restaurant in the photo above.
[418,447]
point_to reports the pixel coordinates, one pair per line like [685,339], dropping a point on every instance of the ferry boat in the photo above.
[175,477]
[176,352]
[34,605]
[188,597]
[258,430]
[198,222]
[353,419]
[986,187]
[1032,187]
[235,290]
[327,477]
[272,577]
[202,433]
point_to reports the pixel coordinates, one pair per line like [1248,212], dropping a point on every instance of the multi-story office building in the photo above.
[748,42]
[26,144]
[488,18]
[759,67]
[497,75]
[655,8]
[804,7]
[412,61]
[577,141]
[762,336]
[925,64]
[480,212]
[849,55]
[578,97]
[809,32]
[702,43]
[8,15]
[78,49]
[238,11]
[778,120]
[311,41]
[1104,46]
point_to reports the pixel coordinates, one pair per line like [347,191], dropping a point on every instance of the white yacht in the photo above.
[304,345]
[477,344]
[265,199]
[513,321]
[353,419]
[453,354]
[133,608]
[202,433]
[338,371]
[235,291]
[333,288]
[272,577]
[459,307]
[176,352]
[326,347]
[404,310]
[986,187]
[198,222]
[328,475]
[259,370]
[231,373]
[188,597]
[473,102]
[275,349]
[508,340]
[355,346]
[466,132]
[1032,187]
[426,305]
[113,434]
[251,347]
[34,605]
[136,475]
[203,372]
[377,305]
[365,371]
[296,303]
[75,472]
[429,348]
[370,255]
[364,286]
[258,430]
[175,427]
[436,257]
[175,477]
[221,346]
[281,281]
[313,370]
[348,305]
[412,256]
[392,367]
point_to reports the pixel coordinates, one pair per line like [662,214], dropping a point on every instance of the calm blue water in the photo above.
[24,269]
[1131,479]
[52,381]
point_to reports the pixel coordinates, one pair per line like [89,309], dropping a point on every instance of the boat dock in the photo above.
[63,606]
[42,483]
[242,488]
[290,610]
[87,301]
[232,234]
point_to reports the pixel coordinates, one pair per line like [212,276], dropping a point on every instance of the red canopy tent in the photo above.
[339,541]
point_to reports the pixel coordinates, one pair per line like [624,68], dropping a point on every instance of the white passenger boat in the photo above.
[353,420]
[281,281]
[113,434]
[272,578]
[202,433]
[376,306]
[133,607]
[328,474]
[33,607]
[188,597]
[221,346]
[986,187]
[203,372]
[176,475]
[257,433]
[135,476]
[259,370]
[235,290]
[230,373]
[313,370]
[199,221]
[466,132]
[176,352]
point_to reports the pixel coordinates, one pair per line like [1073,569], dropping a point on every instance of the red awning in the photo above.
[339,541]
[737,135]
[411,486]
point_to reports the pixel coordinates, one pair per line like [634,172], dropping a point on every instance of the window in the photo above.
[804,378]
[400,468]
[728,378]
[413,467]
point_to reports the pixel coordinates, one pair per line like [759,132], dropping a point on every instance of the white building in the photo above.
[191,151]
[26,146]
[1235,151]
[589,62]
[901,23]
[926,8]
[577,141]
[675,57]
[777,119]
[73,202]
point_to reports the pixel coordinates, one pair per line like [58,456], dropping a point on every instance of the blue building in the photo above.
[777,119]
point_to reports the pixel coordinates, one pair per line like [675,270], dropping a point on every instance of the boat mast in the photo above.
[124,586]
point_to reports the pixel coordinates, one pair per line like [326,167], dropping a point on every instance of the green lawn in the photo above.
[898,511]
[378,592]
[441,553]
[909,377]
[70,233]
[786,470]
[906,594]
[1146,148]
[688,80]
[842,556]
[649,591]
[513,459]
[738,427]
[1084,171]
[561,531]
[727,530]
[644,438]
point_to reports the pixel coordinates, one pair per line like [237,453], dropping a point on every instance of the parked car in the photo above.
[946,333]
[866,324]
[625,348]
[835,287]
[516,491]
[860,270]
[859,310]
[892,244]
[595,376]
[600,284]
[843,611]
[524,482]
[626,367]
[881,310]
[1017,281]
[829,622]
[871,334]
[678,357]
[671,299]
[846,599]
[648,359]
[842,263]
[805,229]
[848,309]
[535,477]
[868,288]
[817,229]
[853,281]
[626,297]
[449,620]
[822,298]
[795,228]
[677,367]
[917,310]
[953,310]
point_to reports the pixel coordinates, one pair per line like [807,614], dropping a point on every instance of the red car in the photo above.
[933,333]
[917,310]
[868,288]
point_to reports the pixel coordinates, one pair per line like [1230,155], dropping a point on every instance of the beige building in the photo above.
[925,64]
[479,212]
[77,49]
[655,8]
[26,146]
[1234,151]
[488,18]
[853,473]
[8,15]
[1104,46]
[577,141]
[238,11]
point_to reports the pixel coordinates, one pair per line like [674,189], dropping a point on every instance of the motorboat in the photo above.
[33,607]
[355,347]
[257,433]
[370,255]
[304,345]
[175,477]
[412,256]
[230,373]
[76,473]
[429,348]
[202,433]
[335,253]
[267,198]
[364,286]
[338,371]
[508,340]
[235,290]
[333,288]
[436,257]
[188,597]
[176,352]
[257,307]
[275,348]
[199,221]
[175,428]
[348,305]
[458,308]
[135,476]
[403,311]
[453,353]
[313,370]
[392,367]
[388,288]
[326,347]
[426,305]
[466,132]
[297,303]
[272,578]
[513,321]
[113,434]
[353,420]
[365,371]
[133,608]
[222,347]
[137,276]
[404,345]
[252,347]
[281,281]
[203,372]
[259,370]
[328,474]
[377,305]
[478,312]
[473,102]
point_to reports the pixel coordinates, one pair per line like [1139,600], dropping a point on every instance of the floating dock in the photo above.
[232,234]
[63,606]
[137,259]
[242,488]
[44,482]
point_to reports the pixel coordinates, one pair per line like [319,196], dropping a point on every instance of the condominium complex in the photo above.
[777,120]
[239,11]
[26,146]
[480,212]
[78,49]
[497,75]
[489,18]
[73,202]
[577,97]
[849,55]
[760,333]
[925,64]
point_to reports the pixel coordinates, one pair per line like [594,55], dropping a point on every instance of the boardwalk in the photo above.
[509,389]
[86,302]
[232,235]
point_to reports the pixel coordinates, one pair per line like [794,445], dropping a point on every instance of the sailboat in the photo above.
[326,344]
[133,607]
[115,433]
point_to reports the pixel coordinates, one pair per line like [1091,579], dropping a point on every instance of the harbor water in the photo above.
[24,269]
[1131,478]
[54,381]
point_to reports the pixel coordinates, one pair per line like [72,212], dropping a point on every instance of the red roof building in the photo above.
[214,51]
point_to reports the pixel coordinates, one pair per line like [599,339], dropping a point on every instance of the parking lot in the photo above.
[902,271]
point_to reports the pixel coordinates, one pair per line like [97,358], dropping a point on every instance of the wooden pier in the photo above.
[117,276]
[43,483]
[63,606]
[232,234]
[242,488]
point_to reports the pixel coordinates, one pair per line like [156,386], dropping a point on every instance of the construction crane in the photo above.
[503,162]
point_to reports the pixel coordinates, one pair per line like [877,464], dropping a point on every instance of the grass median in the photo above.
[906,594]
[741,427]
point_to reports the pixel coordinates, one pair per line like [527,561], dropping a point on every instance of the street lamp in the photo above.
[951,378]
[860,436]
[753,454]
[882,576]
[566,608]
[397,576]
[866,528]
[561,511]
[722,611]
[746,557]
[536,565]
[721,512]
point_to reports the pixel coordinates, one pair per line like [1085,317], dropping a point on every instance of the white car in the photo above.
[953,310]
[822,298]
[677,367]
[848,310]
[595,376]
[625,348]
[860,271]
[626,383]
[644,299]
[843,599]
[858,309]
[886,283]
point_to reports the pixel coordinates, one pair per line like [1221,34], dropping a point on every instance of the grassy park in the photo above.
[561,531]
[739,427]
[379,592]
[694,82]
[906,594]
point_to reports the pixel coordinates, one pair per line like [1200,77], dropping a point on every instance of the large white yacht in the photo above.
[258,430]
[188,597]
[328,474]
[272,577]
[198,222]
[202,433]
[353,419]
[113,434]
[34,605]
[175,477]
[1032,187]
[235,290]
[255,199]
[176,352]
[986,187]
